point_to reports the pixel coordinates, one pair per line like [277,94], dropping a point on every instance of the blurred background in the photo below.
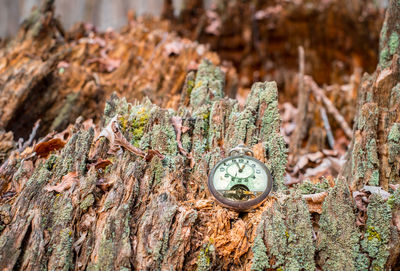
[102,13]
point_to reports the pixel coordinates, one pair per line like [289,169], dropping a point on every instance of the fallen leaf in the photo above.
[101,163]
[66,183]
[376,190]
[314,201]
[43,149]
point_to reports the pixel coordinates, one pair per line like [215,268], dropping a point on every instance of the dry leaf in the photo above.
[101,163]
[314,201]
[66,183]
[45,148]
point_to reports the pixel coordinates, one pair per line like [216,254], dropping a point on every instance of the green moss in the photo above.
[371,233]
[63,250]
[209,84]
[87,202]
[190,86]
[285,233]
[394,143]
[133,122]
[377,235]
[51,161]
[338,246]
[204,259]
[307,187]
[393,43]
[260,257]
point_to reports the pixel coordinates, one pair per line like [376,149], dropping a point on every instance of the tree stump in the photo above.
[132,194]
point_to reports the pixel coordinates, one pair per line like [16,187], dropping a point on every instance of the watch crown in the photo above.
[241,149]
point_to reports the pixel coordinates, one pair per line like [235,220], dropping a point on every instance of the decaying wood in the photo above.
[261,38]
[373,158]
[58,77]
[63,212]
[74,200]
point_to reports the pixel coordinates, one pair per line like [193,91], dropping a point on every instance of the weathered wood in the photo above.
[69,213]
[94,204]
[375,149]
[56,76]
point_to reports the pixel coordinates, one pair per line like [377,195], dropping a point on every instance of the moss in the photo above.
[338,246]
[51,161]
[133,121]
[204,259]
[307,187]
[393,43]
[209,84]
[190,86]
[260,257]
[286,230]
[377,235]
[87,202]
[371,233]
[63,250]
[394,143]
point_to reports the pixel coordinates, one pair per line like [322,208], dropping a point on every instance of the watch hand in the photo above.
[242,167]
[236,164]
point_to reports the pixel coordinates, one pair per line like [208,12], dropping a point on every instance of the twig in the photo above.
[319,93]
[329,135]
[31,136]
[301,69]
[177,123]
[302,107]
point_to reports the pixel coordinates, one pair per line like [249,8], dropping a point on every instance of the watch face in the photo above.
[240,182]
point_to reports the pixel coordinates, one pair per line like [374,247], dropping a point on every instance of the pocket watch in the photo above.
[240,181]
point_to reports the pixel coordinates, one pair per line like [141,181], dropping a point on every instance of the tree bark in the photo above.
[375,149]
[131,193]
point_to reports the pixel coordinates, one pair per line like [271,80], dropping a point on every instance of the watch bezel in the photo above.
[240,205]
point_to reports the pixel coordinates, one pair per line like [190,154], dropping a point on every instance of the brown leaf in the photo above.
[101,163]
[66,183]
[314,201]
[104,184]
[45,148]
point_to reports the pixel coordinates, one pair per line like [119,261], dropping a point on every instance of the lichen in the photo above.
[133,121]
[393,42]
[204,261]
[394,151]
[260,257]
[286,229]
[377,235]
[307,187]
[63,250]
[338,239]
[209,84]
[87,202]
